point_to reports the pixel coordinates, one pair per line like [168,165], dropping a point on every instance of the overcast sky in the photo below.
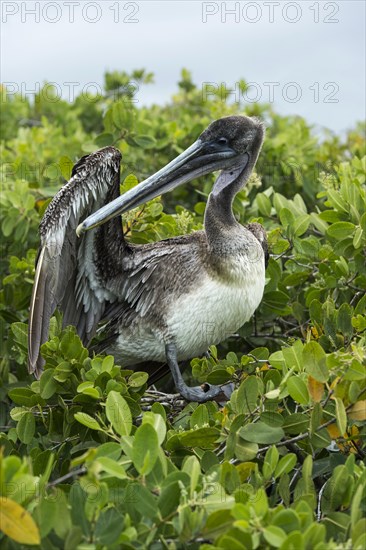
[307,57]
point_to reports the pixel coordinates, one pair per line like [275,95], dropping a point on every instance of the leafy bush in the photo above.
[93,459]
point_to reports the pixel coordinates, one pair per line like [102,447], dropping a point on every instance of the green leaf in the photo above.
[158,422]
[245,450]
[341,230]
[270,462]
[315,417]
[336,200]
[344,319]
[321,225]
[301,224]
[26,427]
[107,364]
[129,182]
[298,390]
[274,535]
[286,465]
[321,439]
[296,279]
[138,379]
[20,333]
[361,306]
[145,449]
[46,516]
[112,467]
[63,371]
[218,377]
[315,311]
[272,418]
[43,464]
[246,400]
[357,239]
[158,408]
[331,216]
[201,437]
[337,524]
[293,356]
[66,165]
[341,415]
[335,489]
[259,502]
[294,541]
[25,397]
[193,469]
[103,140]
[296,423]
[315,534]
[260,432]
[144,502]
[122,115]
[87,421]
[217,523]
[356,371]
[277,360]
[48,385]
[84,386]
[108,527]
[110,449]
[260,353]
[72,347]
[279,202]
[16,413]
[288,520]
[144,142]
[77,501]
[287,217]
[264,204]
[359,323]
[356,511]
[276,300]
[169,499]
[200,417]
[118,413]
[314,359]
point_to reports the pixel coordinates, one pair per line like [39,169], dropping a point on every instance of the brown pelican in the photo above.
[162,302]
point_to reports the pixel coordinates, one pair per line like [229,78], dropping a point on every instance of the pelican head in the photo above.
[230,144]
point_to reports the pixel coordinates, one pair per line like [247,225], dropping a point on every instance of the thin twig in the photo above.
[74,473]
[319,511]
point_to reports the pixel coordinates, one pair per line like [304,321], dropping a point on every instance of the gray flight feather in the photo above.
[65,273]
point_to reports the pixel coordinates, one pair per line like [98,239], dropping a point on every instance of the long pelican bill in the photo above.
[199,159]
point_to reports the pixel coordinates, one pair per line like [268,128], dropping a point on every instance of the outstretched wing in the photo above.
[66,273]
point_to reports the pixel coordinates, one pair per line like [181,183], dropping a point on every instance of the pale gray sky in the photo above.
[305,56]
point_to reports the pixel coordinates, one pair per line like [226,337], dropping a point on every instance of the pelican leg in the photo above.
[196,393]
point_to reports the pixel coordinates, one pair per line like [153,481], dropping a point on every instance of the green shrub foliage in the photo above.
[92,459]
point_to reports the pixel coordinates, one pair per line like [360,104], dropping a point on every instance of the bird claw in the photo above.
[204,393]
[200,394]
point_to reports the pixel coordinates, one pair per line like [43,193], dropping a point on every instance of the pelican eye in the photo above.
[222,141]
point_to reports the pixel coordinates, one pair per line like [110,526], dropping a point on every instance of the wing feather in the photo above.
[147,270]
[66,273]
